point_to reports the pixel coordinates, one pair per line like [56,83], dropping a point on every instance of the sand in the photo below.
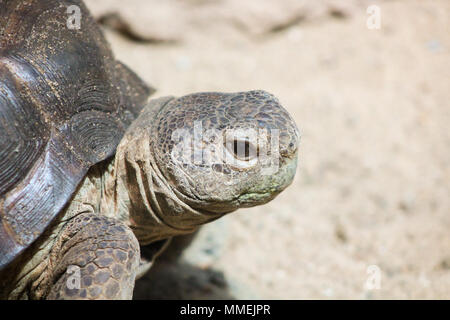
[368,214]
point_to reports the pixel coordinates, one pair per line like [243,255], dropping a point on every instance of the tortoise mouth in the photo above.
[270,186]
[256,198]
[263,190]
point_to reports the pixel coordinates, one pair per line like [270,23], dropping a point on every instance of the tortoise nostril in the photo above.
[289,151]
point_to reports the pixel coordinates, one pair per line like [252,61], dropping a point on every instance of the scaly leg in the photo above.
[95,258]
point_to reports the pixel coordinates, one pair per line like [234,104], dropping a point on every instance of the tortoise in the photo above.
[92,169]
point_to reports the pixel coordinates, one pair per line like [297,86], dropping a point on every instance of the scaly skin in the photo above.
[147,194]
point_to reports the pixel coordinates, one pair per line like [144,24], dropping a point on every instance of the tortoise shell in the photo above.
[65,103]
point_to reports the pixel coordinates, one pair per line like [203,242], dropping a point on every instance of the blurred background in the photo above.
[368,215]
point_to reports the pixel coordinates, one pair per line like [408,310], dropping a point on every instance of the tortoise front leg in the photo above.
[95,258]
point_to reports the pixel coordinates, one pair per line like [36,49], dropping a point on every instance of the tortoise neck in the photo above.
[137,193]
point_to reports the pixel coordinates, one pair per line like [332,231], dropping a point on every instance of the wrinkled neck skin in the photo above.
[137,193]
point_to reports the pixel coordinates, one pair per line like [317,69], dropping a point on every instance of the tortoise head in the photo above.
[222,151]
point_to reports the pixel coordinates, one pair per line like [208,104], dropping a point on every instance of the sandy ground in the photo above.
[371,200]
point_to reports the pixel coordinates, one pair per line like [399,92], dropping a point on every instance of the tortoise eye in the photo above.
[242,150]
